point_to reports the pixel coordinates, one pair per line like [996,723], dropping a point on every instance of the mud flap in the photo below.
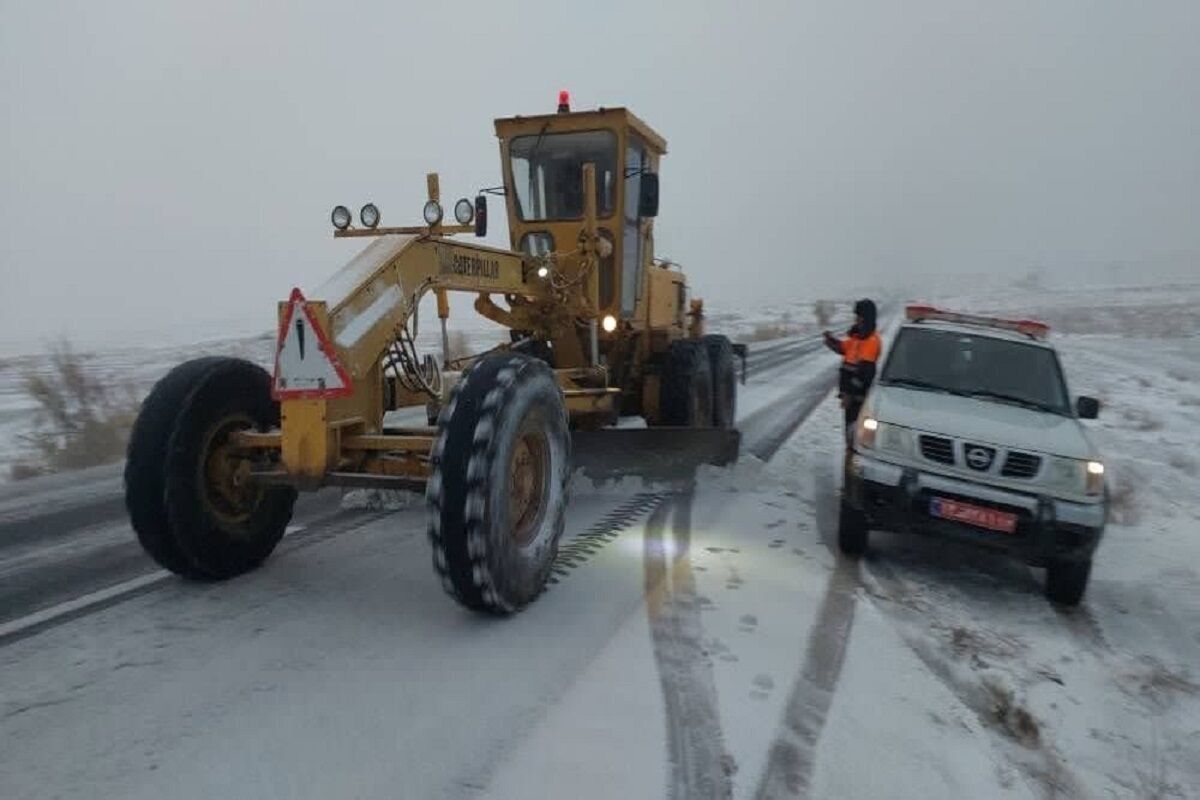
[652,453]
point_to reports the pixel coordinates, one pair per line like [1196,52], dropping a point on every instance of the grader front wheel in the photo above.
[190,502]
[497,491]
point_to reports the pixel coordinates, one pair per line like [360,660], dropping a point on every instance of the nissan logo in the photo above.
[978,458]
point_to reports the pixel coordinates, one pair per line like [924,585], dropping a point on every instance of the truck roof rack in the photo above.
[1031,328]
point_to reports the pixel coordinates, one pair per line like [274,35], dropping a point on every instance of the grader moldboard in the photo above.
[599,329]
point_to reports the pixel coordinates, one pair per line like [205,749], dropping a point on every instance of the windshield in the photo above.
[999,370]
[547,171]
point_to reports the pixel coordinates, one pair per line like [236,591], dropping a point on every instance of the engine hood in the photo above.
[981,421]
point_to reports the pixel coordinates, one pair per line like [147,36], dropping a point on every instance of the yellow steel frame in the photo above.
[364,306]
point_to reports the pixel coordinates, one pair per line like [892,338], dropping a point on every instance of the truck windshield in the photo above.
[997,370]
[547,171]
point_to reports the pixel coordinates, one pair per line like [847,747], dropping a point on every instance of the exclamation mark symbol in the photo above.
[300,335]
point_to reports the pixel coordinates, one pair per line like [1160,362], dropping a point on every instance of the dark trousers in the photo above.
[852,406]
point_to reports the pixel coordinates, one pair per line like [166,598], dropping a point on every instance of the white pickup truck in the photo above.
[969,432]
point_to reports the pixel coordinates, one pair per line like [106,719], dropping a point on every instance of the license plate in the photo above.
[980,517]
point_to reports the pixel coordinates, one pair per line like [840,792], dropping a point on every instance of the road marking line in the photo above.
[52,613]
[71,607]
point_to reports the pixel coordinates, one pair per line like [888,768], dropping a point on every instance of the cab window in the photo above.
[547,173]
[631,242]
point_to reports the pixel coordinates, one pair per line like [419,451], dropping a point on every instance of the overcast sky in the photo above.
[173,164]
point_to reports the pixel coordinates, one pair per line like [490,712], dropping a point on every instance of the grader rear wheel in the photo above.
[191,503]
[497,491]
[724,380]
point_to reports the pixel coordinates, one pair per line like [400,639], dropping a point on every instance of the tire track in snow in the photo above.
[699,765]
[1043,766]
[792,757]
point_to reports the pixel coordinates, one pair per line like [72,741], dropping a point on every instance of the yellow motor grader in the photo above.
[599,330]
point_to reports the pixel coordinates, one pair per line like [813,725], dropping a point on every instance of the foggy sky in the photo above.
[175,163]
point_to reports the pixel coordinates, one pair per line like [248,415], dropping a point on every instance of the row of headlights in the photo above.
[368,215]
[1068,474]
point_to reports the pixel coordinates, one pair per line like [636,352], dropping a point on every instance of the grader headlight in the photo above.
[369,215]
[464,211]
[609,323]
[341,217]
[432,213]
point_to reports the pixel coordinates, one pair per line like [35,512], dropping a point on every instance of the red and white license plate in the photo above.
[980,517]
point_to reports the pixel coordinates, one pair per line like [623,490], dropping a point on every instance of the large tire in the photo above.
[686,389]
[145,481]
[853,531]
[497,491]
[724,380]
[1066,581]
[215,528]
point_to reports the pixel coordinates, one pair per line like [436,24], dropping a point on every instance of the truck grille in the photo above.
[1021,465]
[936,448]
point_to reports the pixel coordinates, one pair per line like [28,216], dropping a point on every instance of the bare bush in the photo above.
[80,422]
[1184,463]
[771,330]
[1142,420]
[823,311]
[459,347]
[1122,501]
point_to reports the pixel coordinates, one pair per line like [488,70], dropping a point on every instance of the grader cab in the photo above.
[600,330]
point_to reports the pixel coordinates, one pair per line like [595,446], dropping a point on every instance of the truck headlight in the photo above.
[883,436]
[1075,475]
[868,431]
[894,439]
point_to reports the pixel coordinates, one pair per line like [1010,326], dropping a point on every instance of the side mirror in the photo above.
[1087,407]
[480,215]
[648,195]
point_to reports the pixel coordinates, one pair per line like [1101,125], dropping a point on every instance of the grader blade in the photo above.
[652,453]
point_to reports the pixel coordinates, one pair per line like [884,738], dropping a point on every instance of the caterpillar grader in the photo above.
[600,331]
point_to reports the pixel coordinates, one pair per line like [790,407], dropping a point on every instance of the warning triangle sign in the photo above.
[306,365]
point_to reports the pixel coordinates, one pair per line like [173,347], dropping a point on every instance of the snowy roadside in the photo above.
[927,670]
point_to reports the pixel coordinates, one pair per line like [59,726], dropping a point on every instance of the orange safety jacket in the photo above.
[855,349]
[859,356]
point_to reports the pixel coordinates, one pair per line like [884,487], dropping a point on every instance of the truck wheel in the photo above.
[687,395]
[145,481]
[1066,581]
[724,380]
[497,490]
[221,524]
[853,531]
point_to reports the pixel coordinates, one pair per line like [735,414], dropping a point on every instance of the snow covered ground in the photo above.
[704,641]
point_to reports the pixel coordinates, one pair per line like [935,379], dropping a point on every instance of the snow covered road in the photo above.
[700,640]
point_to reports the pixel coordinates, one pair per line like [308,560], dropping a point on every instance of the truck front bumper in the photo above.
[898,498]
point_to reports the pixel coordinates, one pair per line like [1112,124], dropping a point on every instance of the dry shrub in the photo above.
[1122,500]
[1142,420]
[1011,716]
[771,330]
[80,422]
[823,312]
[1184,463]
[458,344]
